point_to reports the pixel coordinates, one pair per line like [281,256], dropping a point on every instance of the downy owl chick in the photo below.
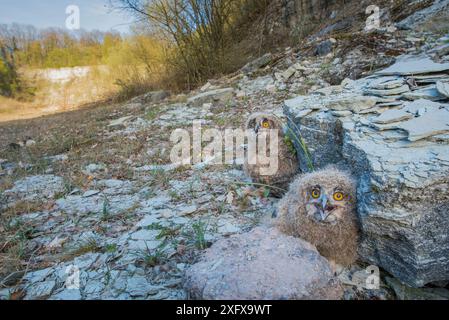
[287,163]
[320,207]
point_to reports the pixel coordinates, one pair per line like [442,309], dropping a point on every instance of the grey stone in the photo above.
[138,286]
[257,63]
[120,122]
[186,210]
[393,116]
[443,88]
[222,95]
[262,264]
[418,106]
[429,93]
[40,290]
[428,124]
[324,47]
[148,221]
[67,295]
[388,92]
[423,15]
[412,65]
[340,102]
[145,235]
[78,205]
[36,188]
[143,245]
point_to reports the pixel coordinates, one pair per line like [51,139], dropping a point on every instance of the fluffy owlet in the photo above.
[320,207]
[288,166]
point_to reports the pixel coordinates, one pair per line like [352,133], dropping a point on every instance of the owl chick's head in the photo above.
[329,195]
[262,121]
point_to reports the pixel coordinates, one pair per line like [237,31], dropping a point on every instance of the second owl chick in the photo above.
[320,207]
[288,165]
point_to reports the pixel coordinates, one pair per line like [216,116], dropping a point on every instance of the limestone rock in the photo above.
[393,116]
[262,264]
[324,47]
[36,188]
[257,63]
[222,95]
[443,88]
[429,124]
[120,122]
[412,65]
[429,93]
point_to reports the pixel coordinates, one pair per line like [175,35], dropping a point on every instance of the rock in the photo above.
[67,295]
[413,65]
[287,74]
[120,122]
[262,264]
[36,188]
[339,102]
[393,116]
[257,63]
[146,235]
[256,85]
[93,168]
[420,106]
[443,88]
[148,221]
[403,186]
[423,15]
[40,290]
[221,95]
[324,48]
[90,193]
[404,292]
[428,124]
[186,210]
[428,93]
[138,286]
[155,96]
[388,92]
[97,204]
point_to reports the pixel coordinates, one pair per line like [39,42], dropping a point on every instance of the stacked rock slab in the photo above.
[399,150]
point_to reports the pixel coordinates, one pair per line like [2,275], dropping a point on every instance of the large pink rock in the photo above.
[262,264]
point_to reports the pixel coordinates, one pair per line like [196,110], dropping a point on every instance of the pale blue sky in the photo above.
[94,14]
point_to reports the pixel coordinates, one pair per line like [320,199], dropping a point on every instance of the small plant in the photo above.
[105,215]
[154,257]
[88,245]
[110,248]
[199,232]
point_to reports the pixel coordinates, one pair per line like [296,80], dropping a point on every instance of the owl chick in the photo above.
[320,208]
[288,165]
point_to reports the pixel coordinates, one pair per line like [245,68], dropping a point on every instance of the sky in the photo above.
[94,14]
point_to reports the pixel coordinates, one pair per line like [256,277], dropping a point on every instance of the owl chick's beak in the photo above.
[257,128]
[325,209]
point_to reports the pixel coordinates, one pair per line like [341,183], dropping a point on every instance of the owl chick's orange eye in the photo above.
[265,124]
[338,196]
[316,193]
